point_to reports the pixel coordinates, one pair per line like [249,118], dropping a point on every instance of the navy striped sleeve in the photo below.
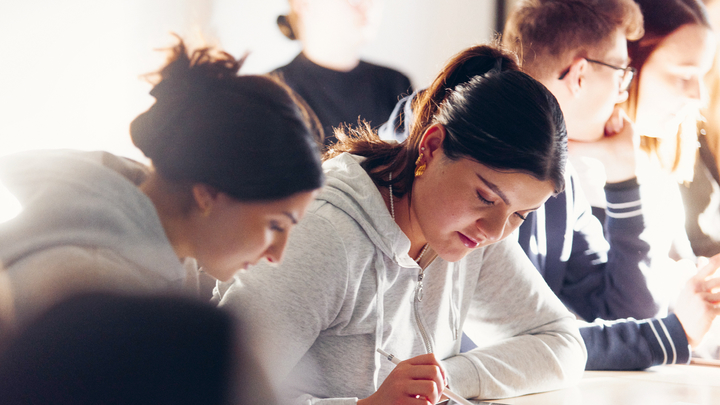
[629,344]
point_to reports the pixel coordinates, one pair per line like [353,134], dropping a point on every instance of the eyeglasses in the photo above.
[628,73]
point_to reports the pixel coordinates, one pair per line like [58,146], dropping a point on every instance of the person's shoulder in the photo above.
[298,64]
[385,73]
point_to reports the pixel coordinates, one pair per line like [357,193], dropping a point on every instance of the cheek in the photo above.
[254,242]
[658,92]
[240,243]
[512,225]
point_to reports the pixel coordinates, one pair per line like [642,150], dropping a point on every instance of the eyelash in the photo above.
[488,202]
[484,200]
[276,227]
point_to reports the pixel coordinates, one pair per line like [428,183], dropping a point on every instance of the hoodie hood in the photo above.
[87,199]
[349,188]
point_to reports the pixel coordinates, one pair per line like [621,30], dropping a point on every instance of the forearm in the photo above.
[628,294]
[540,360]
[629,344]
[606,277]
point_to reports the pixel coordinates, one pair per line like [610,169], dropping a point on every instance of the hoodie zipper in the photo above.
[416,307]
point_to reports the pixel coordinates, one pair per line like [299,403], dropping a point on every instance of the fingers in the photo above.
[711,285]
[615,123]
[426,375]
[431,361]
[708,268]
[712,299]
[416,381]
[619,123]
[423,389]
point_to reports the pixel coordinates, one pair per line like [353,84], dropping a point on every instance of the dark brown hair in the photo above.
[105,348]
[547,34]
[247,136]
[493,114]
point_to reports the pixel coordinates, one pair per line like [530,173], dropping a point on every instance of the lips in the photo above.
[468,242]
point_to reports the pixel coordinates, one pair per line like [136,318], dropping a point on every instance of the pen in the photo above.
[455,397]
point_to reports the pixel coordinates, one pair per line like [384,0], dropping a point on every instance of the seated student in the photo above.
[131,350]
[329,74]
[406,247]
[235,164]
[578,50]
[592,277]
[701,195]
[671,59]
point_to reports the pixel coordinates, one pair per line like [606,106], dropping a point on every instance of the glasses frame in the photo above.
[627,78]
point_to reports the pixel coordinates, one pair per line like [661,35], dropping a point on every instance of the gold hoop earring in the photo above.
[421,166]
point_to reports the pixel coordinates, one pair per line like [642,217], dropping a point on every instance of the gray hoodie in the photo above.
[85,225]
[347,287]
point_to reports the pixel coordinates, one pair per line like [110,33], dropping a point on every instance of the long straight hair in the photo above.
[662,18]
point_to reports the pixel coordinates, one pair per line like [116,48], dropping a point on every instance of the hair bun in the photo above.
[244,135]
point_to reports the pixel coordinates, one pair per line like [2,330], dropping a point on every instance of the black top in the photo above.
[369,92]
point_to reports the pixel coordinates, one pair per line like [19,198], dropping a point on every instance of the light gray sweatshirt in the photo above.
[85,225]
[347,287]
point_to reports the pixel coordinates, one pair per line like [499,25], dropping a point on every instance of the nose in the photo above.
[698,91]
[276,250]
[695,89]
[492,227]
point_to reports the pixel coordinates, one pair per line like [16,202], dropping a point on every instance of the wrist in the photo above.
[626,184]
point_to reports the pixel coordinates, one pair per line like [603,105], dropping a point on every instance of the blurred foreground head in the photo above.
[112,349]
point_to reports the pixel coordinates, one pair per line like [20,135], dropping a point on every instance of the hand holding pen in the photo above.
[416,381]
[455,397]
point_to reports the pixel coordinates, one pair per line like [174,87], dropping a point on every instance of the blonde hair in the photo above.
[662,18]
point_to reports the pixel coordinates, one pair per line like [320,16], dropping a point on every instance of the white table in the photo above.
[664,385]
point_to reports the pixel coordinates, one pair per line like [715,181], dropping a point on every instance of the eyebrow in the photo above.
[497,191]
[292,217]
[494,188]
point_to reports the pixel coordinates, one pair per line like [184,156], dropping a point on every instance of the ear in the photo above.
[205,197]
[574,80]
[432,141]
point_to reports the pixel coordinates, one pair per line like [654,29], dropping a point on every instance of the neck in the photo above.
[339,58]
[170,213]
[407,221]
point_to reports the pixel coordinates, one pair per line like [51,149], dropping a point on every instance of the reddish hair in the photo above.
[548,34]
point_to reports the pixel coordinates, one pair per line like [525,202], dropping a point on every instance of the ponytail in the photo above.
[476,61]
[493,114]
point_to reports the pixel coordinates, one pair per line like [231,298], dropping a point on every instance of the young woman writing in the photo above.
[406,247]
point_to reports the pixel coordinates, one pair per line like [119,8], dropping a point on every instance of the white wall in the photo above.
[70,70]
[416,36]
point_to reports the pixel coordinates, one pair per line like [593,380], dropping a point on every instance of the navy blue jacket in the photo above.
[597,276]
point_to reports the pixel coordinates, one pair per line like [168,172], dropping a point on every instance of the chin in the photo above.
[453,256]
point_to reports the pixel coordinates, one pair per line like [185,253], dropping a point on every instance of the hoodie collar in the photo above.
[350,189]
